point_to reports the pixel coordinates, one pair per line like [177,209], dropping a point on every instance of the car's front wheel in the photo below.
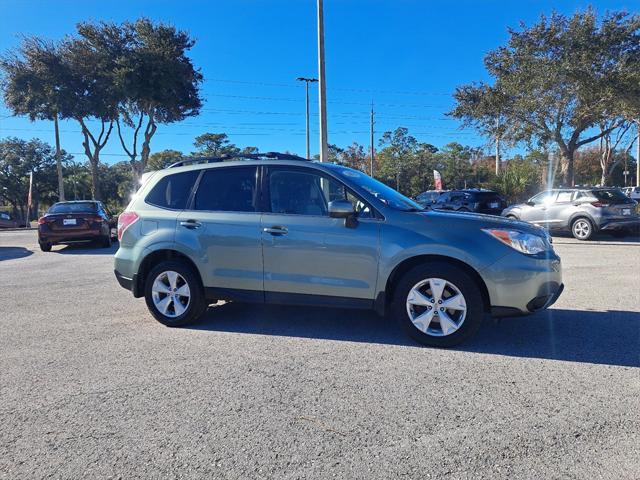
[174,294]
[438,304]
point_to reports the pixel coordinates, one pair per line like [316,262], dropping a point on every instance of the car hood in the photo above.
[479,220]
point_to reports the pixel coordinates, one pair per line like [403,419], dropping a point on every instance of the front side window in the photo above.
[545,198]
[173,191]
[307,193]
[227,190]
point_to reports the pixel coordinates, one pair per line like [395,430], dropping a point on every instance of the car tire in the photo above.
[464,209]
[105,242]
[449,280]
[582,228]
[166,280]
[512,217]
[45,247]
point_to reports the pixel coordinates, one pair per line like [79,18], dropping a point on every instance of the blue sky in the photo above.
[407,56]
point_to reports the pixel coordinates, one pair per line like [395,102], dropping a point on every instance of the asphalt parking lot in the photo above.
[92,387]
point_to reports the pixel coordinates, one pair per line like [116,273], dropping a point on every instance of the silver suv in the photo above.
[582,211]
[275,228]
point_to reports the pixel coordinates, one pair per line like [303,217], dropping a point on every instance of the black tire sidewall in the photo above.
[454,274]
[45,247]
[197,304]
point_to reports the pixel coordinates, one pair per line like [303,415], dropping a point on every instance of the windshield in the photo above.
[382,192]
[73,207]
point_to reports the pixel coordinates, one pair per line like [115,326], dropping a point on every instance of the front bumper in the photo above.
[520,284]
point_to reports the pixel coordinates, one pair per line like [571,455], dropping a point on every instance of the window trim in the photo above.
[191,203]
[266,191]
[152,188]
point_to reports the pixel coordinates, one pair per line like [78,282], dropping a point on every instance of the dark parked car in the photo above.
[582,211]
[65,222]
[428,198]
[471,200]
[7,222]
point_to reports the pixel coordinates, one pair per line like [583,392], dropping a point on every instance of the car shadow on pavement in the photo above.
[87,248]
[611,338]
[11,253]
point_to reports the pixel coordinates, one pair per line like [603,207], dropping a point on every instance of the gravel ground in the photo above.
[92,387]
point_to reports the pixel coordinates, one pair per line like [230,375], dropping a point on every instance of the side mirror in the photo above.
[530,203]
[340,209]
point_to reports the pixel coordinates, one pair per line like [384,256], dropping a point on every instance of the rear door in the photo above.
[221,230]
[307,253]
[559,212]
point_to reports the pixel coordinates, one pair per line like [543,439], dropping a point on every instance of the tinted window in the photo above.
[564,197]
[486,196]
[308,193]
[76,207]
[613,196]
[227,190]
[173,191]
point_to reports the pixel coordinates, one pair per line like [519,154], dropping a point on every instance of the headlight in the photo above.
[520,241]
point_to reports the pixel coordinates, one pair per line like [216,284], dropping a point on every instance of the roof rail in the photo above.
[247,156]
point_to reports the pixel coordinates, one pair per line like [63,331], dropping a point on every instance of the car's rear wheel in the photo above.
[106,240]
[438,304]
[45,247]
[582,229]
[512,217]
[174,294]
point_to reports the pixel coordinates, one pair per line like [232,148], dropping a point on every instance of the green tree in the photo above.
[556,80]
[89,61]
[156,80]
[214,145]
[17,159]
[162,159]
[33,86]
[397,148]
[455,165]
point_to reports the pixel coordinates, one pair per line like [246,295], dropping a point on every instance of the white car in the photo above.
[632,192]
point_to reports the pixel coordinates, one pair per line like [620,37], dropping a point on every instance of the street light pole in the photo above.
[307,80]
[322,94]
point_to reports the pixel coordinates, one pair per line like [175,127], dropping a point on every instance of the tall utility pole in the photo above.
[497,147]
[322,94]
[307,81]
[638,155]
[58,160]
[371,172]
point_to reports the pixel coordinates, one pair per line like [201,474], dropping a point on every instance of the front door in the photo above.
[308,253]
[538,212]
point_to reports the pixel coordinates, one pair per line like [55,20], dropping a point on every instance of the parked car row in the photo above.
[581,211]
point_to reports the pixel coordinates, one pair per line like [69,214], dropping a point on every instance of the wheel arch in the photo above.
[152,259]
[408,263]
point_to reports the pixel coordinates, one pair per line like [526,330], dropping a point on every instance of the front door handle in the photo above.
[191,224]
[276,230]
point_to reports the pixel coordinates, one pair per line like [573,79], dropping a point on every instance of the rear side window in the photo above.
[564,197]
[227,190]
[612,196]
[173,191]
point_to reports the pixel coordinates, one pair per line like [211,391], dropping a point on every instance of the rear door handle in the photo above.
[191,224]
[276,230]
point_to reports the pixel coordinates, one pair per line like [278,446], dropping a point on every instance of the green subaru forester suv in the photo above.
[276,228]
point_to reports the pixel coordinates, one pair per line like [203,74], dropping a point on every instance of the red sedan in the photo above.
[77,221]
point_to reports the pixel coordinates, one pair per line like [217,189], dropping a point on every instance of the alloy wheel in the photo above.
[581,229]
[171,294]
[436,307]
